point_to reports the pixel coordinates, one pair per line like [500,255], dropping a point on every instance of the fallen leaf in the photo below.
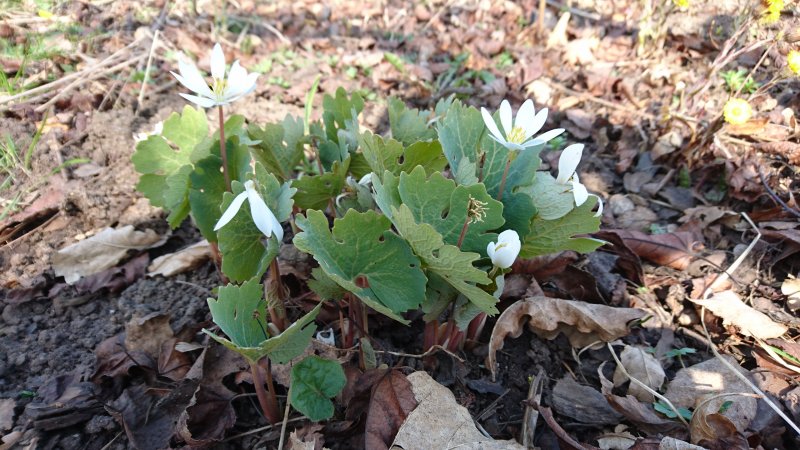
[674,250]
[733,311]
[114,279]
[619,440]
[583,323]
[440,422]
[392,400]
[641,414]
[582,403]
[716,431]
[101,251]
[298,443]
[147,334]
[184,259]
[7,413]
[791,289]
[692,385]
[644,367]
[670,443]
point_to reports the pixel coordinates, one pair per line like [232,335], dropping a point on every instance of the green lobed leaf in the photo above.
[460,133]
[156,159]
[314,382]
[447,261]
[551,236]
[362,255]
[386,155]
[281,146]
[315,191]
[205,195]
[408,125]
[438,201]
[324,286]
[244,255]
[241,314]
[338,111]
[552,200]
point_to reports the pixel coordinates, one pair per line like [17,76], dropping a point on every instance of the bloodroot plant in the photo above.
[442,208]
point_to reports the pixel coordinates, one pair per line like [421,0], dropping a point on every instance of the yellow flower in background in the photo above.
[773,11]
[681,3]
[737,111]
[793,61]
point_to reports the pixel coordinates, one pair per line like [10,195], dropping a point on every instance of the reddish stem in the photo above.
[222,151]
[268,401]
[276,308]
[503,180]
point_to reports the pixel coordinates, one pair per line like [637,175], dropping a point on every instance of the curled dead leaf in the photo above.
[583,323]
[733,311]
[180,261]
[644,367]
[674,250]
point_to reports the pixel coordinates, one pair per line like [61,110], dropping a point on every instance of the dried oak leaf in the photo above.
[440,422]
[583,323]
[392,400]
[582,403]
[715,431]
[733,311]
[180,261]
[674,250]
[644,367]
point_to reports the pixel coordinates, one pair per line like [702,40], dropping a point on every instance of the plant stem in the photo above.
[503,180]
[268,405]
[276,308]
[463,231]
[222,151]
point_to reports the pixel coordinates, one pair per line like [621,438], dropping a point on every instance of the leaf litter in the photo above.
[652,260]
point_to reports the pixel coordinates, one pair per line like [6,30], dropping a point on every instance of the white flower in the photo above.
[263,217]
[222,91]
[157,130]
[505,251]
[366,179]
[517,134]
[568,175]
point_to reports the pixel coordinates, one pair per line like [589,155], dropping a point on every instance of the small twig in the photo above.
[146,73]
[725,275]
[285,418]
[775,197]
[532,415]
[259,430]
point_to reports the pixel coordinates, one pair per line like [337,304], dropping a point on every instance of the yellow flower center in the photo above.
[218,87]
[793,61]
[737,111]
[516,135]
[476,210]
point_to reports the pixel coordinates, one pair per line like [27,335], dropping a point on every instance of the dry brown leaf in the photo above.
[440,422]
[392,400]
[716,431]
[674,250]
[641,414]
[296,443]
[670,443]
[147,334]
[582,403]
[644,367]
[7,413]
[180,261]
[692,385]
[733,311]
[101,251]
[583,323]
[791,289]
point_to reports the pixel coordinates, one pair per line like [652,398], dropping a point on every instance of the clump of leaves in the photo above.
[739,81]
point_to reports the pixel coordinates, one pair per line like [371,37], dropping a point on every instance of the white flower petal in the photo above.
[217,63]
[202,102]
[262,215]
[525,115]
[230,213]
[535,124]
[490,250]
[492,126]
[237,77]
[568,162]
[579,192]
[513,146]
[508,236]
[505,251]
[191,78]
[506,116]
[546,136]
[599,206]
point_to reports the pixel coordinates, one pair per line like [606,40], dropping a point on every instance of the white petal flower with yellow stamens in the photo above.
[505,250]
[568,175]
[263,217]
[222,91]
[517,133]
